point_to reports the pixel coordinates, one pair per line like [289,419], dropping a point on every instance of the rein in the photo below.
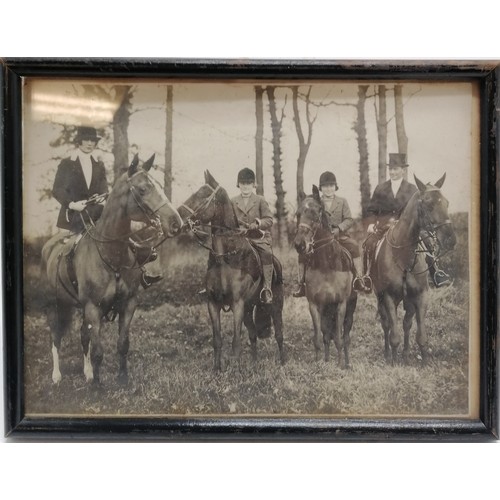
[153,220]
[426,224]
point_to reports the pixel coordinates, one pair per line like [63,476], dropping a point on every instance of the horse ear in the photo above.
[420,184]
[302,196]
[440,182]
[210,180]
[149,163]
[316,194]
[133,166]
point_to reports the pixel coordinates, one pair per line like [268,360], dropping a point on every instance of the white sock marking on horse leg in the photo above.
[87,366]
[56,373]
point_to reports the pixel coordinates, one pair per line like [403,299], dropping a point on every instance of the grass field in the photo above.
[171,358]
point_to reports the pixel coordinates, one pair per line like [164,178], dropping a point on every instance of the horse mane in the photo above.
[226,216]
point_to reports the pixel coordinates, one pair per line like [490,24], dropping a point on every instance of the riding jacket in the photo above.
[70,186]
[256,210]
[384,205]
[338,215]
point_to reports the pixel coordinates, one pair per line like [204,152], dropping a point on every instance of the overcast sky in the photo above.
[214,128]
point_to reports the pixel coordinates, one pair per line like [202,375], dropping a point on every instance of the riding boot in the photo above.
[266,295]
[300,286]
[359,282]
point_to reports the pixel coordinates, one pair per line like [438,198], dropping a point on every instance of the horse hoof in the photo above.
[122,379]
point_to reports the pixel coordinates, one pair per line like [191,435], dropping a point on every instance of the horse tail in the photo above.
[263,321]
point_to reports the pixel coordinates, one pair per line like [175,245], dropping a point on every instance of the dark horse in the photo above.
[104,274]
[332,301]
[399,270]
[234,275]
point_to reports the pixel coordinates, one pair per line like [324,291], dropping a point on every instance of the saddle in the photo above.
[248,266]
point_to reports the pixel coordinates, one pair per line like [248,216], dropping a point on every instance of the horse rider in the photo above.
[253,213]
[338,219]
[81,187]
[388,201]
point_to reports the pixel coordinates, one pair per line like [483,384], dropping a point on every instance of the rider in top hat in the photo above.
[79,178]
[339,219]
[386,205]
[253,213]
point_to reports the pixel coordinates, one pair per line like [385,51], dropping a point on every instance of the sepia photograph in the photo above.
[290,250]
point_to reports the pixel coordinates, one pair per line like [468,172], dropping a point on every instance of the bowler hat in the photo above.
[328,178]
[86,134]
[245,176]
[397,160]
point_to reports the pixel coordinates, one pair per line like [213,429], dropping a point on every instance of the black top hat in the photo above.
[86,134]
[397,160]
[328,178]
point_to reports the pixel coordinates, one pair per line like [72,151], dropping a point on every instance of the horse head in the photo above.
[210,204]
[146,201]
[309,215]
[433,213]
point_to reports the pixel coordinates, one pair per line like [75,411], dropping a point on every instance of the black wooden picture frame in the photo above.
[248,428]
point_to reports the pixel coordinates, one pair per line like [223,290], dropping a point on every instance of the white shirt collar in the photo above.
[395,185]
[80,154]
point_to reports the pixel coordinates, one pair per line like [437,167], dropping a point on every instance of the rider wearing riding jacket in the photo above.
[80,177]
[386,205]
[338,219]
[253,213]
[80,186]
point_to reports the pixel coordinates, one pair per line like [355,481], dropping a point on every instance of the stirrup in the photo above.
[262,296]
[367,282]
[300,291]
[147,280]
[358,284]
[441,279]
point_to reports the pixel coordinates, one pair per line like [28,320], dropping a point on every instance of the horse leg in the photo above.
[126,315]
[348,321]
[316,319]
[407,323]
[60,320]
[422,340]
[238,313]
[214,312]
[91,341]
[252,332]
[384,321]
[392,317]
[338,337]
[277,312]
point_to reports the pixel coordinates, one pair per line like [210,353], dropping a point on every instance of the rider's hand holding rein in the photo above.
[78,206]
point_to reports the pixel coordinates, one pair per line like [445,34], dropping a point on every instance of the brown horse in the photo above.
[328,280]
[399,270]
[234,275]
[102,275]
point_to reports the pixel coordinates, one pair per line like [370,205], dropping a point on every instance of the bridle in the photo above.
[429,228]
[192,220]
[152,217]
[314,243]
[151,214]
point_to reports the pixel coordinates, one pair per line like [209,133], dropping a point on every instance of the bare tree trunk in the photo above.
[304,143]
[259,139]
[168,143]
[120,130]
[400,123]
[382,134]
[364,167]
[278,177]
